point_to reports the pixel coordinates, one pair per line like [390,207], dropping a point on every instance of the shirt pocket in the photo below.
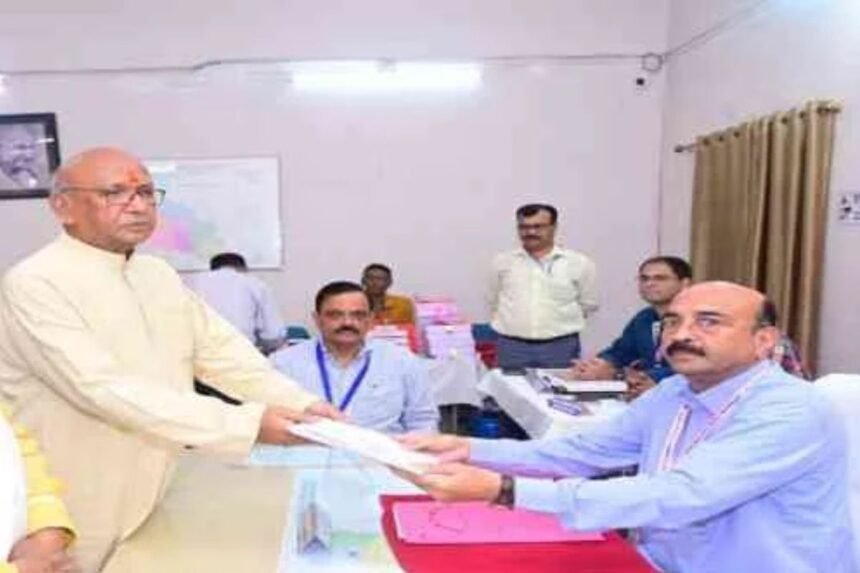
[562,290]
[381,401]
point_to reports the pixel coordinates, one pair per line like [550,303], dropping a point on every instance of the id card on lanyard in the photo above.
[326,381]
[13,491]
[669,455]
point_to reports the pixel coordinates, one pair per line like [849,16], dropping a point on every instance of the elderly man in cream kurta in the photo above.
[99,347]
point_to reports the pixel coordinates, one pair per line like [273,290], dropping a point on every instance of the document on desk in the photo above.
[432,522]
[561,379]
[365,442]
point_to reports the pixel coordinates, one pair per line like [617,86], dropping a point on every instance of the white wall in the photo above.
[427,184]
[789,52]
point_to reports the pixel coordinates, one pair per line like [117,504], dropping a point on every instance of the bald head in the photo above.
[104,197]
[94,164]
[741,299]
[714,330]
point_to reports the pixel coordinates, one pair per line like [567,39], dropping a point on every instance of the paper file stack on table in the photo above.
[436,310]
[445,340]
[444,331]
[403,335]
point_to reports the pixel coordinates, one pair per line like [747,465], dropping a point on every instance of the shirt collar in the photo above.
[365,350]
[555,253]
[714,398]
[85,250]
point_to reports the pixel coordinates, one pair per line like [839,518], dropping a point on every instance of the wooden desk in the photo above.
[214,518]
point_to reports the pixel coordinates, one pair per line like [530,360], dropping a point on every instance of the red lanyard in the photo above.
[669,456]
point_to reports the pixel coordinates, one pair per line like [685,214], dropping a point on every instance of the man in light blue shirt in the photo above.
[742,466]
[376,384]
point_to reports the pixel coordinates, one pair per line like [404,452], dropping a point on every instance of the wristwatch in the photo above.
[506,493]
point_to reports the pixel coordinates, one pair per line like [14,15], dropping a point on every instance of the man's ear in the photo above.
[61,206]
[766,339]
[316,318]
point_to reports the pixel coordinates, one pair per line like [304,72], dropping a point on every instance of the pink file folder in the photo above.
[430,522]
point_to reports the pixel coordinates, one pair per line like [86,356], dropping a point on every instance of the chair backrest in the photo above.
[297,332]
[483,332]
[843,390]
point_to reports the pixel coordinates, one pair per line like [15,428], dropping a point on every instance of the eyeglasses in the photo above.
[115,196]
[535,227]
[654,278]
[339,315]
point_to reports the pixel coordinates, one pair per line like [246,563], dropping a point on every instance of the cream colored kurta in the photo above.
[98,354]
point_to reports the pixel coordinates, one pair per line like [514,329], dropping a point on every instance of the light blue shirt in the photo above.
[766,492]
[395,396]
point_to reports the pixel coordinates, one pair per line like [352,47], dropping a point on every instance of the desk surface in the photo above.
[530,410]
[213,518]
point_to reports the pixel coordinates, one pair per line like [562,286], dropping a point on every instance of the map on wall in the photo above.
[217,205]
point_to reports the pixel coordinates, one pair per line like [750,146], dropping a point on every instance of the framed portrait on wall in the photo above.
[29,154]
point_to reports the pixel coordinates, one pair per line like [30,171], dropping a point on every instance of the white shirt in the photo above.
[539,299]
[245,301]
[13,491]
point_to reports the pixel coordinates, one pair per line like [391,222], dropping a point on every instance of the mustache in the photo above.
[347,329]
[681,346]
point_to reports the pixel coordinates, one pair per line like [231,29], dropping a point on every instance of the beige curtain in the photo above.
[759,212]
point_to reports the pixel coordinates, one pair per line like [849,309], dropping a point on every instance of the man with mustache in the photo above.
[20,167]
[540,295]
[741,468]
[375,383]
[636,354]
[99,349]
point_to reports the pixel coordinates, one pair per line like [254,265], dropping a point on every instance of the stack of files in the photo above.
[400,334]
[433,522]
[444,340]
[436,310]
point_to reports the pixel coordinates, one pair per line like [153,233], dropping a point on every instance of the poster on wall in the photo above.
[29,154]
[217,205]
[848,208]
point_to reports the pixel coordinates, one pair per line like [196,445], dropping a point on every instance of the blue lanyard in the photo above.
[327,382]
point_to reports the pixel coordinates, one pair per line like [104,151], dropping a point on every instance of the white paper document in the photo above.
[365,442]
[562,378]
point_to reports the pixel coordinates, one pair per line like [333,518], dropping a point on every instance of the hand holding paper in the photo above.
[459,482]
[446,447]
[365,442]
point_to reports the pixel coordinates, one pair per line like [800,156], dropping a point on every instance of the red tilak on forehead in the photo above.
[135,174]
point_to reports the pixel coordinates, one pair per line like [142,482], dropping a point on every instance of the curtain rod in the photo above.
[825,107]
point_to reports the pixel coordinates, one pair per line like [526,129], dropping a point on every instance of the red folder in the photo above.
[612,555]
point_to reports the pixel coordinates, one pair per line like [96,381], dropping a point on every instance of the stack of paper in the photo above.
[365,442]
[436,310]
[432,522]
[400,334]
[444,340]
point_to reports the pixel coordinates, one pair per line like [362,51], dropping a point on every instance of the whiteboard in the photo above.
[217,205]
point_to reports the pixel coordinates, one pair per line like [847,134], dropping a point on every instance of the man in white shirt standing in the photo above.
[245,301]
[540,295]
